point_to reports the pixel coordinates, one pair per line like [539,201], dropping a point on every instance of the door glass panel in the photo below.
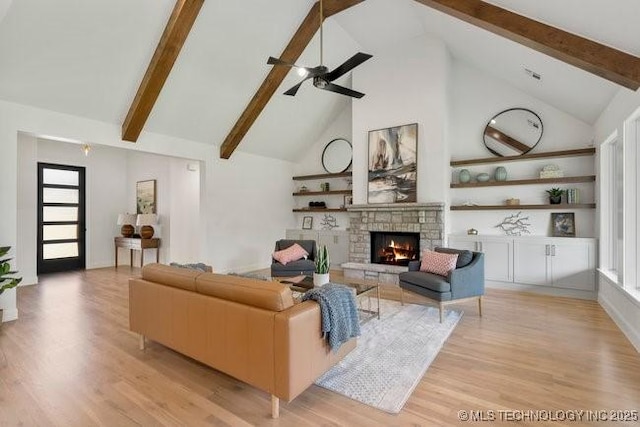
[59,232]
[55,213]
[59,176]
[59,195]
[59,250]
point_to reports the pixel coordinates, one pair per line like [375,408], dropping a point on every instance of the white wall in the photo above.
[620,304]
[476,97]
[406,84]
[249,208]
[26,244]
[247,203]
[185,233]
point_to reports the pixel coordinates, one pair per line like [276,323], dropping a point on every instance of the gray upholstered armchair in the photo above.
[295,268]
[466,281]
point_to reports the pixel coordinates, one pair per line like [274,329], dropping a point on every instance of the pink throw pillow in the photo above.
[292,253]
[438,263]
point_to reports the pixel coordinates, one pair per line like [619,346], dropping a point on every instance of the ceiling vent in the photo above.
[533,74]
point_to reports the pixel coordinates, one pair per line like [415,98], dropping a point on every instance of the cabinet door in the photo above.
[337,243]
[572,265]
[468,244]
[530,262]
[498,259]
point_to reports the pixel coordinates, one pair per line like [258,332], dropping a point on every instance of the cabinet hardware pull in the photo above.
[546,250]
[553,250]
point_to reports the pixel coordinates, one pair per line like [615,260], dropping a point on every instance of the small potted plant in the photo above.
[321,274]
[555,196]
[6,280]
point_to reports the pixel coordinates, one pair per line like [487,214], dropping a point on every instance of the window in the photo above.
[612,207]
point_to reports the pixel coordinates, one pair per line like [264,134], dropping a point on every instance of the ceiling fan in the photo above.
[322,77]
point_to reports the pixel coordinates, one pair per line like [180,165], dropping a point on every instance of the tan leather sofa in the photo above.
[249,329]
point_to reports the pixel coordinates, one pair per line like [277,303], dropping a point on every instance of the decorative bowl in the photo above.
[482,177]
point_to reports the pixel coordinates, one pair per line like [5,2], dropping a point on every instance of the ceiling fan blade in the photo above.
[342,90]
[348,65]
[294,89]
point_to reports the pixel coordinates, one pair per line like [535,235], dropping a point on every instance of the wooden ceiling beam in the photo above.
[606,62]
[276,75]
[175,34]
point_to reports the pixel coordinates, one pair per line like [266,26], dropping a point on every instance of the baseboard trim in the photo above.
[544,290]
[627,329]
[28,281]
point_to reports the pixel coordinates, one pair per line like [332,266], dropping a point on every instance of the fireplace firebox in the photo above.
[395,248]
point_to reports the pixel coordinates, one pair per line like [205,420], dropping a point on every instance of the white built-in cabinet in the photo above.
[498,254]
[559,262]
[336,241]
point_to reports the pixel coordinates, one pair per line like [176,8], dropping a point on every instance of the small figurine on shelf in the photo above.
[303,189]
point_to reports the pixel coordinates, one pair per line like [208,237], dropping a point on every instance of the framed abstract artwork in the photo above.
[146,197]
[563,224]
[393,164]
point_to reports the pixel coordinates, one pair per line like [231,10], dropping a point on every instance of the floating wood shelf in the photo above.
[321,193]
[566,179]
[564,153]
[320,210]
[522,207]
[323,176]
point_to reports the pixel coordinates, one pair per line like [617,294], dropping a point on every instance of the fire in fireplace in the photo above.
[395,248]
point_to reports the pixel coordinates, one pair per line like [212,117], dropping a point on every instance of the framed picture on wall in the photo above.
[307,222]
[563,224]
[146,197]
[393,164]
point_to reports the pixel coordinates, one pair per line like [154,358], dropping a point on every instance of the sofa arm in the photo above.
[414,265]
[302,354]
[468,281]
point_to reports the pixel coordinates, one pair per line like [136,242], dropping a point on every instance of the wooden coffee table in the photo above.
[362,288]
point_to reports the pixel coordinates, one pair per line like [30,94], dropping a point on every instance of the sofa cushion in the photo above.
[433,282]
[256,293]
[292,253]
[171,276]
[438,263]
[464,256]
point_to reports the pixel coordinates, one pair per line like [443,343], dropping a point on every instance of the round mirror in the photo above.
[513,132]
[337,155]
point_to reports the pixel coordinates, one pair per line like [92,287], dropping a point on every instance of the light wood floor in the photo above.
[71,361]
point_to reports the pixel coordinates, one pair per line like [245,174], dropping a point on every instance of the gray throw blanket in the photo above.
[339,313]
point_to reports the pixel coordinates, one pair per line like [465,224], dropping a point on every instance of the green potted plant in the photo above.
[555,196]
[322,262]
[7,281]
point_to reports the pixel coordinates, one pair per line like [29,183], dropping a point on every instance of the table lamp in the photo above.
[146,221]
[127,221]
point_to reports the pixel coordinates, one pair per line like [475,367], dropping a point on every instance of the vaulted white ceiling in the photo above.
[87,58]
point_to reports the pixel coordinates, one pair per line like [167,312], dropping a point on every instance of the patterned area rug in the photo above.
[392,355]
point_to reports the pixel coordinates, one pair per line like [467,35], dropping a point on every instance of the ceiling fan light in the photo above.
[302,72]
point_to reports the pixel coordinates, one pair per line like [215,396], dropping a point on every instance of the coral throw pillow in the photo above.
[292,253]
[438,263]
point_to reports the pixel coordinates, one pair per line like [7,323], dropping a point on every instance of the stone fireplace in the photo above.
[424,219]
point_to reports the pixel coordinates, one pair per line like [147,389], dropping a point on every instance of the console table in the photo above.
[138,244]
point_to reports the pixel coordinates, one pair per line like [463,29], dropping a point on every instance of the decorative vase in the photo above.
[500,174]
[464,176]
[555,200]
[320,279]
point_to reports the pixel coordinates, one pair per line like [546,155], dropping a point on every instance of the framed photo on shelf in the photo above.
[563,224]
[307,223]
[348,200]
